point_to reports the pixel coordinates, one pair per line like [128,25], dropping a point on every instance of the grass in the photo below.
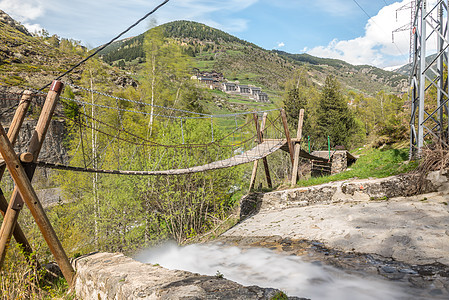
[376,163]
[21,279]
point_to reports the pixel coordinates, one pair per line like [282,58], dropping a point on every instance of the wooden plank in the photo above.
[258,152]
[297,148]
[253,176]
[259,141]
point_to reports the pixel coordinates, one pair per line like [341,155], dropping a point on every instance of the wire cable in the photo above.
[107,44]
[370,18]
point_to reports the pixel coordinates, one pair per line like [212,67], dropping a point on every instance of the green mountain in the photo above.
[237,59]
[407,68]
[354,77]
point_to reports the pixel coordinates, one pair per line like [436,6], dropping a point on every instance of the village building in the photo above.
[215,75]
[254,90]
[261,97]
[215,80]
[243,89]
[206,80]
[229,87]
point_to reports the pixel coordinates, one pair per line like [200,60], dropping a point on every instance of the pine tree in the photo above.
[334,119]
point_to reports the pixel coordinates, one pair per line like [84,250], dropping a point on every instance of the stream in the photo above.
[289,273]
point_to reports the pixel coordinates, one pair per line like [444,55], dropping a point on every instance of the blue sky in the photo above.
[324,28]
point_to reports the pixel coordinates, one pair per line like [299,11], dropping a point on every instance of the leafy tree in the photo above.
[165,73]
[121,64]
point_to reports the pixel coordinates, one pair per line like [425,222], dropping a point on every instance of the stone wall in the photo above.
[341,159]
[353,190]
[103,276]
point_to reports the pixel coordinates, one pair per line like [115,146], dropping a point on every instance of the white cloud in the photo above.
[281,44]
[33,28]
[375,47]
[23,10]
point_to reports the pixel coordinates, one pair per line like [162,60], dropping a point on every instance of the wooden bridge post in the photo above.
[287,135]
[16,203]
[256,162]
[265,161]
[13,133]
[23,185]
[297,147]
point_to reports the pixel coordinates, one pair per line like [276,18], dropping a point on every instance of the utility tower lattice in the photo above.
[429,119]
[407,27]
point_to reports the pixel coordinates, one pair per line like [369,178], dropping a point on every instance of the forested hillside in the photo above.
[213,49]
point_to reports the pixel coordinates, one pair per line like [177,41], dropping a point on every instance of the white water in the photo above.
[265,268]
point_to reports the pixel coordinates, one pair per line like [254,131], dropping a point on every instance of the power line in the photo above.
[369,17]
[107,44]
[355,1]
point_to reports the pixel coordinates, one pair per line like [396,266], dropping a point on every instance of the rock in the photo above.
[356,190]
[115,276]
[53,271]
[5,18]
[124,81]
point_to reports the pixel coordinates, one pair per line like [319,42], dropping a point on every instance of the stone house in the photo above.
[228,87]
[254,90]
[261,97]
[206,80]
[340,159]
[215,75]
[243,89]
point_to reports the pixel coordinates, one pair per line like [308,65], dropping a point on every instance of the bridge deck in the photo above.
[262,150]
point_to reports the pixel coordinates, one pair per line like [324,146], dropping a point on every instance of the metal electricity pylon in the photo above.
[407,27]
[428,78]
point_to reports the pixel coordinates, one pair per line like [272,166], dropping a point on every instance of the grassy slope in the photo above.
[28,60]
[372,162]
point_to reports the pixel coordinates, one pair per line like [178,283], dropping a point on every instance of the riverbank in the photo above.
[360,226]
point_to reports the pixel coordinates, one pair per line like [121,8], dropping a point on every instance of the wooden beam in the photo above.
[18,232]
[13,133]
[297,148]
[287,135]
[256,162]
[26,157]
[265,161]
[23,185]
[36,142]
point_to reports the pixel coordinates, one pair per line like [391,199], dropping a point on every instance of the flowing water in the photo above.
[266,268]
